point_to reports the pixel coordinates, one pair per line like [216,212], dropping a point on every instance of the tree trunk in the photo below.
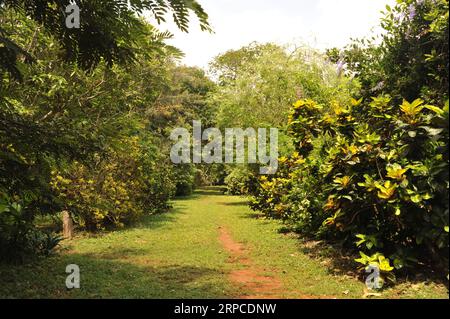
[67,225]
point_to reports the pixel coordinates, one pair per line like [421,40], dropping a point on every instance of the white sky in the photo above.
[318,23]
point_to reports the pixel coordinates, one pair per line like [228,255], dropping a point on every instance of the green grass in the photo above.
[179,255]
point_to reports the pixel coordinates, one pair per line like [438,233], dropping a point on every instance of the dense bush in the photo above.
[116,189]
[240,181]
[374,171]
[20,240]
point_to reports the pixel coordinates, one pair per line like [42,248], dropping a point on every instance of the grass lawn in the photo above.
[181,254]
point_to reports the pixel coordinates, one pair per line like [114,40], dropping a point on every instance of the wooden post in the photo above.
[67,225]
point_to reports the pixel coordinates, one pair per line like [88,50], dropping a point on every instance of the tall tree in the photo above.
[107,28]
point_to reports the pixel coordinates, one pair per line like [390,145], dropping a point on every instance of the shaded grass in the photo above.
[173,255]
[179,255]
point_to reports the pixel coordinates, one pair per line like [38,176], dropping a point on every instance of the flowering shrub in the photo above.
[367,171]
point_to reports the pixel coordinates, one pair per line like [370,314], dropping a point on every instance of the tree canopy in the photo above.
[109,30]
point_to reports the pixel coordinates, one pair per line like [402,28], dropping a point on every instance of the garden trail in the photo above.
[248,277]
[252,280]
[210,245]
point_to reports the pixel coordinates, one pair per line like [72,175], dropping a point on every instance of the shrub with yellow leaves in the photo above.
[368,170]
[119,188]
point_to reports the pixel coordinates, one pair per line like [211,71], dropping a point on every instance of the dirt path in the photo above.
[249,277]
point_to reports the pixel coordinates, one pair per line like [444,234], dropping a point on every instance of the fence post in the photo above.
[67,225]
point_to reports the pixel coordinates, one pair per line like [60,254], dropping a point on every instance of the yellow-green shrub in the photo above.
[120,187]
[372,171]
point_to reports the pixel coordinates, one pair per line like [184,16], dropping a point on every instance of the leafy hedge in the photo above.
[122,187]
[369,172]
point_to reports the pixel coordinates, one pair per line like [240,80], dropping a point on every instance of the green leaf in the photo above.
[435,109]
[398,263]
[4,208]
